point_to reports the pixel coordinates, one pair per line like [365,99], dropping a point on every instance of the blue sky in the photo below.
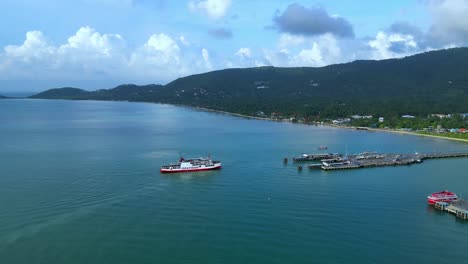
[101,43]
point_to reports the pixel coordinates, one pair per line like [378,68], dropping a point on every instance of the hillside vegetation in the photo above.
[432,82]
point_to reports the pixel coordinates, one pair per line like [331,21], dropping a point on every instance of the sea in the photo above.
[80,183]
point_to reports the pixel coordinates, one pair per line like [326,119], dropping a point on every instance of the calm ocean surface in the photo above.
[80,183]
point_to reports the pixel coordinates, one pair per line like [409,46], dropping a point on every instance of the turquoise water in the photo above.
[80,183]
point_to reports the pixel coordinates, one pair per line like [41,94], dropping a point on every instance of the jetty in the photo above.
[459,208]
[332,162]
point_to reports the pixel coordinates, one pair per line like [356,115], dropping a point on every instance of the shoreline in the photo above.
[417,134]
[336,126]
[283,121]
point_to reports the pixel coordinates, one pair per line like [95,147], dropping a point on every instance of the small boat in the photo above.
[314,157]
[322,147]
[191,165]
[443,196]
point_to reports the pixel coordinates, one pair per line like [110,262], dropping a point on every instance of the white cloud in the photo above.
[312,56]
[184,41]
[245,53]
[295,51]
[162,49]
[90,55]
[206,58]
[450,23]
[393,45]
[160,57]
[34,47]
[87,52]
[288,40]
[212,8]
[87,39]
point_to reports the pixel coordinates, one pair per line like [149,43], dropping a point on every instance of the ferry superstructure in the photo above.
[191,165]
[443,196]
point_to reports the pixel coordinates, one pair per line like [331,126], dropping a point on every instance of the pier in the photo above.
[459,208]
[332,162]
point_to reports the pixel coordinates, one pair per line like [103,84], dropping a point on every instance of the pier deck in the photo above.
[459,208]
[368,160]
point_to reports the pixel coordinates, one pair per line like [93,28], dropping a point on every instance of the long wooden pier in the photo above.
[369,159]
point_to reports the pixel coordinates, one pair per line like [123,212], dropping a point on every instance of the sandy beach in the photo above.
[331,125]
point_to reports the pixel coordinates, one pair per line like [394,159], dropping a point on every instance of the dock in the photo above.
[459,208]
[333,162]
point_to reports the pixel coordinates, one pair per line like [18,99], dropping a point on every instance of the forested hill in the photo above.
[126,92]
[432,82]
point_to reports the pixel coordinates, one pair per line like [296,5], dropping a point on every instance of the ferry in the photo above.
[322,147]
[191,165]
[443,196]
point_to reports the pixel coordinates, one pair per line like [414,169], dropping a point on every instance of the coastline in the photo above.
[417,134]
[336,126]
[276,120]
[235,114]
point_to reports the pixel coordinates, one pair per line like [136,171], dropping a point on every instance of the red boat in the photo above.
[443,196]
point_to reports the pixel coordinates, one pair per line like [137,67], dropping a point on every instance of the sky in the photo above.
[95,44]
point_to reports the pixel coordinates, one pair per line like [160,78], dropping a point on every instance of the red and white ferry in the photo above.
[190,165]
[443,196]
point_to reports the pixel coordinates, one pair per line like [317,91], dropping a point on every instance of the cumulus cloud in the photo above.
[295,51]
[35,46]
[288,40]
[392,45]
[221,33]
[89,54]
[244,53]
[212,8]
[449,28]
[313,21]
[449,22]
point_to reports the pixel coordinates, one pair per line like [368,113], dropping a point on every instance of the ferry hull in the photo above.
[217,167]
[444,196]
[433,201]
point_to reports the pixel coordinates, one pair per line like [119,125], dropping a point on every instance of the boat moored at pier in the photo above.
[314,157]
[443,196]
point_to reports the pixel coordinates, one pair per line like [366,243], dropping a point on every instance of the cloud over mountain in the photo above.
[313,21]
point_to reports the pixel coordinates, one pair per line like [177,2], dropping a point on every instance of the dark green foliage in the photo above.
[417,123]
[63,93]
[432,82]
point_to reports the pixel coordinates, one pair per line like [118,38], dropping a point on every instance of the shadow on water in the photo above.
[432,210]
[189,176]
[461,221]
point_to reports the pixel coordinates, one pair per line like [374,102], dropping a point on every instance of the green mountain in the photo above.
[126,92]
[432,82]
